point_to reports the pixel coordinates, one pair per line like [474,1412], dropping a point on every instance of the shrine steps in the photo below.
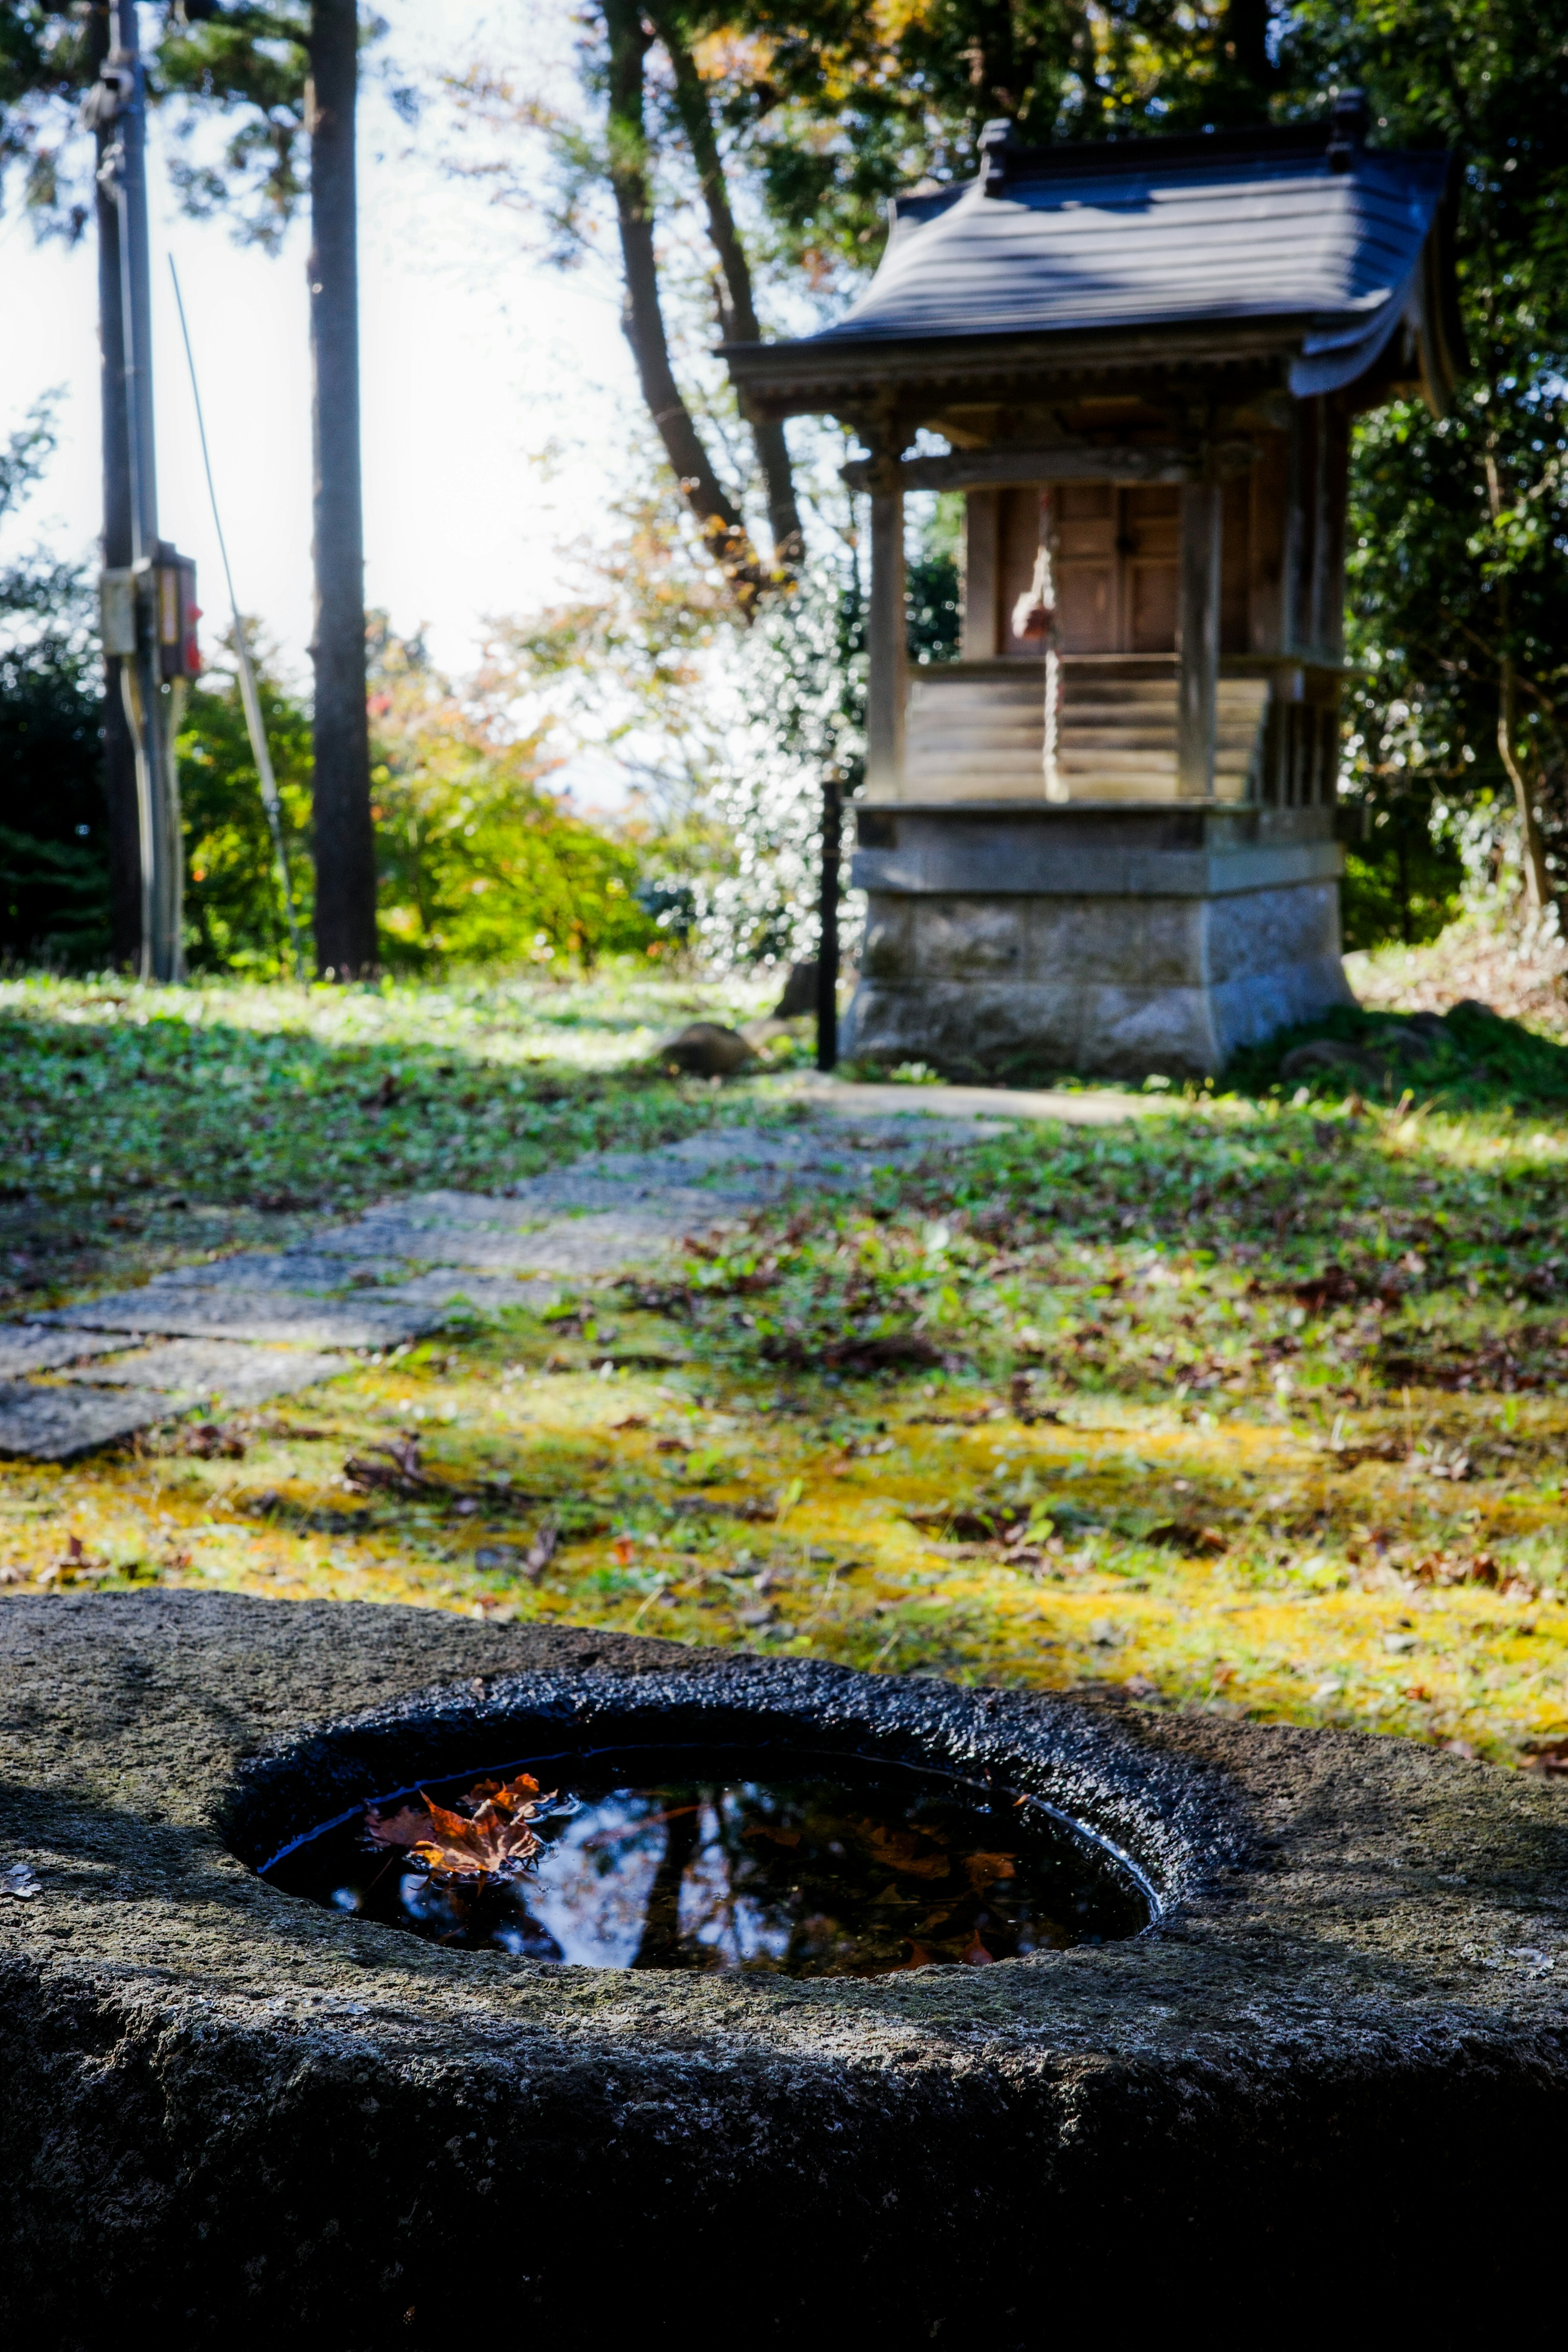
[978,732]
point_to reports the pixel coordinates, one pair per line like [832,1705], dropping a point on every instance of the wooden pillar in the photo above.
[886,635]
[1197,640]
[1330,486]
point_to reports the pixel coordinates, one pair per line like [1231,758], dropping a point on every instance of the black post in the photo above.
[827,939]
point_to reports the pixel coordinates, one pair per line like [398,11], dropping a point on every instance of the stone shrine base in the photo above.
[1118,941]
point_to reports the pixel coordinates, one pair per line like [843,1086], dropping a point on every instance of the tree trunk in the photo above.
[1532,848]
[643,318]
[767,433]
[118,749]
[344,840]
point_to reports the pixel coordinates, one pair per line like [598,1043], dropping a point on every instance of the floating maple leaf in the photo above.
[490,1837]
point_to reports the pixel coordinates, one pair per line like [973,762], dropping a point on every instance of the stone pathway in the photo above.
[244,1328]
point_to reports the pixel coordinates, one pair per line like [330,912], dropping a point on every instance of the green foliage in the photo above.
[478,864]
[1401,881]
[1459,527]
[933,583]
[251,65]
[1475,1062]
[235,917]
[46,65]
[54,877]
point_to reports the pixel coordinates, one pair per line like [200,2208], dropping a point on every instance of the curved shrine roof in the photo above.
[1328,243]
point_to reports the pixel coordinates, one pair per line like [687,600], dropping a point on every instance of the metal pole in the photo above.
[827,933]
[255,725]
[152,719]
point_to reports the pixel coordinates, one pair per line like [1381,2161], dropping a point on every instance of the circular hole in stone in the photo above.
[719,1859]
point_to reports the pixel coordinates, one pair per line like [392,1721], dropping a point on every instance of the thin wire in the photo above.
[248,694]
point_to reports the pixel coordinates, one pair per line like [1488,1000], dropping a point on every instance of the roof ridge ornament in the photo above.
[1347,128]
[996,141]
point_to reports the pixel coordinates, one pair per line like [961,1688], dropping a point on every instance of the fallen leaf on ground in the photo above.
[400,1472]
[209,1441]
[540,1551]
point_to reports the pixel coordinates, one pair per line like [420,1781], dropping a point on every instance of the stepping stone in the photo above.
[603,1244]
[491,1294]
[452,1209]
[177,1312]
[290,1270]
[670,1185]
[221,1367]
[32,1348]
[55,1424]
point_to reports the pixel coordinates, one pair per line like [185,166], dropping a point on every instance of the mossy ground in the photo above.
[1257,1406]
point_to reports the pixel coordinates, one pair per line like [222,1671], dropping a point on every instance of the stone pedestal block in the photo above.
[1117,942]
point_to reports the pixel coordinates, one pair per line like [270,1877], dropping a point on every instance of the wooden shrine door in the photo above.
[1115,565]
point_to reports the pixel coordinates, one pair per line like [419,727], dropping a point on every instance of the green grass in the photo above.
[1256,1406]
[280,1097]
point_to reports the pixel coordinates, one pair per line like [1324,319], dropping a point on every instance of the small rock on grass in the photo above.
[705,1050]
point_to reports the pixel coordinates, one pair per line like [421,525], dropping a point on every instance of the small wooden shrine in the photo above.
[1104,838]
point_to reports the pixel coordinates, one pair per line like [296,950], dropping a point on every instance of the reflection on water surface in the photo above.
[776,1863]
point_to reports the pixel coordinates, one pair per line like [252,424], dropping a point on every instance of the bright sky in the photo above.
[477,359]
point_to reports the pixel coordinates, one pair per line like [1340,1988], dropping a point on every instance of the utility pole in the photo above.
[118,749]
[149,610]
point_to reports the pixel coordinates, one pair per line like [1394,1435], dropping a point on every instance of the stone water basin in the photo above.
[1334,1988]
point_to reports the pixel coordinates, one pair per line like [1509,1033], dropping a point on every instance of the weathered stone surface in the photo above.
[218,1367]
[1123,986]
[248,2119]
[49,1424]
[34,1348]
[1122,941]
[307,1272]
[181,1311]
[591,1245]
[451,1290]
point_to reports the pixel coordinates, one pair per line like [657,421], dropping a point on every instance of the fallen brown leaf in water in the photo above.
[909,1852]
[982,1870]
[495,1840]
